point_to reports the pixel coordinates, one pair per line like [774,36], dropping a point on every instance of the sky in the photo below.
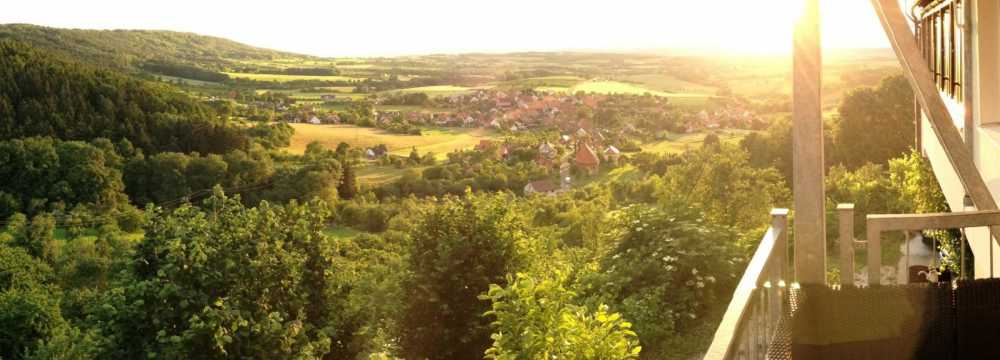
[408,27]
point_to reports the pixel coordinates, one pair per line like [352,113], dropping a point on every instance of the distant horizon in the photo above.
[659,51]
[392,28]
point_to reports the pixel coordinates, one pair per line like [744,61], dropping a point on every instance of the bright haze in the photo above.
[402,27]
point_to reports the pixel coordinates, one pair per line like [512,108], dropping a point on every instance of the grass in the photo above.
[618,87]
[340,232]
[185,81]
[381,175]
[438,140]
[670,84]
[678,143]
[287,78]
[545,81]
[438,90]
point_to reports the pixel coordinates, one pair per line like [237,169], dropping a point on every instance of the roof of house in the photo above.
[484,144]
[543,186]
[612,150]
[586,156]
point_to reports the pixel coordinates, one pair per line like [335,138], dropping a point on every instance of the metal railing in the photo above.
[881,223]
[752,318]
[940,36]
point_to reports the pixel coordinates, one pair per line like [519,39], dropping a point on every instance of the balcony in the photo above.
[939,31]
[772,317]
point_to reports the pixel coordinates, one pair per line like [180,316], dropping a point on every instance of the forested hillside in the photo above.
[44,95]
[129,49]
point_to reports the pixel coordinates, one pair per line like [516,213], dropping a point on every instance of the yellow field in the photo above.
[678,143]
[617,87]
[439,90]
[439,141]
[287,78]
[381,175]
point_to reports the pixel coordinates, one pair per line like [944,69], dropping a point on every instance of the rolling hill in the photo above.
[130,49]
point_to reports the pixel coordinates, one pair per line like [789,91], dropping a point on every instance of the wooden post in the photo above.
[779,220]
[845,213]
[807,117]
[874,254]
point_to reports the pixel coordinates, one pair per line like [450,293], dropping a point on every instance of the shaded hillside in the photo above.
[42,94]
[130,49]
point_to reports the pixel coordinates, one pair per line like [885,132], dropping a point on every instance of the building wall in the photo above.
[985,141]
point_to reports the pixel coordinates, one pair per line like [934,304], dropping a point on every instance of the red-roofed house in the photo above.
[586,159]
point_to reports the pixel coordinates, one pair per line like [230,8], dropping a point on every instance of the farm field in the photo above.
[432,91]
[287,78]
[374,175]
[670,84]
[440,141]
[678,143]
[185,81]
[618,87]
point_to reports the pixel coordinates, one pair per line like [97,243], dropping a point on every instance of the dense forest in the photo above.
[42,94]
[129,49]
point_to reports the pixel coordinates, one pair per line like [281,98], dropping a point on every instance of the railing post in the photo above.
[845,213]
[874,254]
[779,221]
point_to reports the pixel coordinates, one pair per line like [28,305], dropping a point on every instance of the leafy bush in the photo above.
[459,248]
[671,273]
[537,319]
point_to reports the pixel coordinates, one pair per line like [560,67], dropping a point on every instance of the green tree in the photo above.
[232,282]
[670,273]
[723,187]
[348,187]
[874,124]
[459,248]
[537,319]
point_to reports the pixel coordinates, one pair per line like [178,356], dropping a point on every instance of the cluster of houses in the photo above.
[732,117]
[582,150]
[584,158]
[518,110]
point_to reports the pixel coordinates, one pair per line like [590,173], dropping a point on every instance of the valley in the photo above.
[174,195]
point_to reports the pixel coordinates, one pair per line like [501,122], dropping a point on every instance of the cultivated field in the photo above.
[432,91]
[618,87]
[440,141]
[287,78]
[678,143]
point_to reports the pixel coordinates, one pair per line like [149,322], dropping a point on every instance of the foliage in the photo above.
[911,175]
[537,319]
[127,49]
[720,184]
[231,281]
[874,124]
[670,273]
[183,71]
[272,136]
[43,95]
[42,174]
[460,247]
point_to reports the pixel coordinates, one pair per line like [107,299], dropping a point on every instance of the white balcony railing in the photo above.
[751,322]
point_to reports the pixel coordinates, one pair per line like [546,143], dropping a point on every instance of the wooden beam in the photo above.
[935,221]
[807,145]
[845,213]
[917,71]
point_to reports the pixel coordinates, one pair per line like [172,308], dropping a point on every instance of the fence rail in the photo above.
[757,306]
[880,223]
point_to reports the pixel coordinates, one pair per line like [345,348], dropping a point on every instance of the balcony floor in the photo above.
[918,321]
